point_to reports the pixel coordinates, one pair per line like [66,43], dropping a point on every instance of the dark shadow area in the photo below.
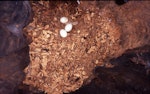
[128,76]
[14,17]
[121,2]
[14,49]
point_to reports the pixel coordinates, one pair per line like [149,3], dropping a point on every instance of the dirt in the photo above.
[104,31]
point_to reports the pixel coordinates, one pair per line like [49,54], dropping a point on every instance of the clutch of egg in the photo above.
[68,27]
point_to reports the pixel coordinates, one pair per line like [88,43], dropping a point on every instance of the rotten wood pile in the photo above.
[104,31]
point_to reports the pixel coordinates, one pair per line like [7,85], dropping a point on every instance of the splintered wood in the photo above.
[62,64]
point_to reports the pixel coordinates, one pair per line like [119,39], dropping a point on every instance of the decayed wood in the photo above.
[103,32]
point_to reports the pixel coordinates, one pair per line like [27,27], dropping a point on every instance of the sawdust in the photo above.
[63,64]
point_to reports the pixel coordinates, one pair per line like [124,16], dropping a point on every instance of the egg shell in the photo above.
[63,33]
[68,27]
[63,19]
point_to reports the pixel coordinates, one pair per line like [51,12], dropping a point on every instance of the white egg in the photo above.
[78,1]
[63,33]
[68,27]
[63,19]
